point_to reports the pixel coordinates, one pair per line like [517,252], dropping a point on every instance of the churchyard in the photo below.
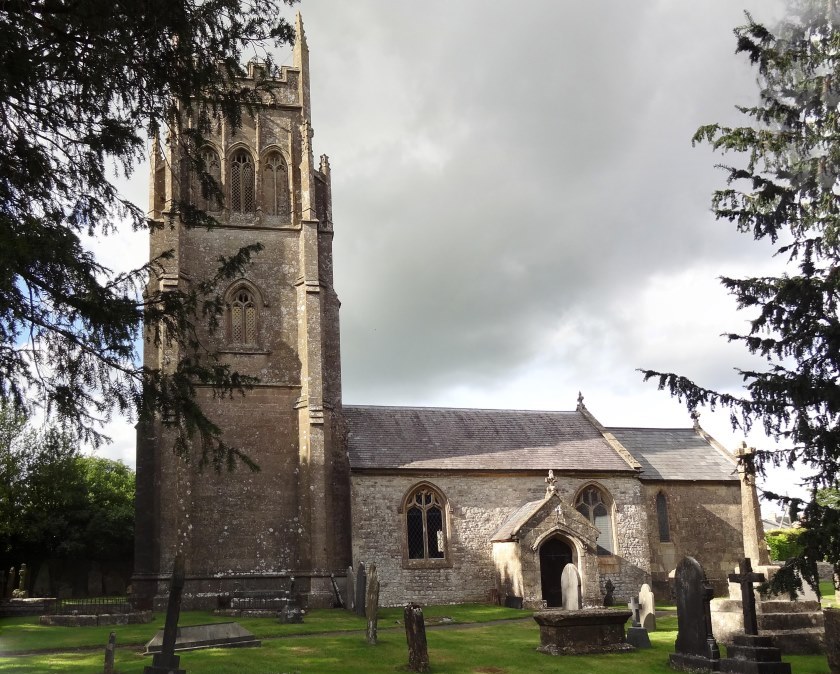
[470,639]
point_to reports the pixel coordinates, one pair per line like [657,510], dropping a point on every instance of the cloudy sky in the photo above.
[519,213]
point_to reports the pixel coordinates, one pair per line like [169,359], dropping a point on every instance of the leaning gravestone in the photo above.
[351,589]
[372,603]
[339,602]
[361,589]
[648,608]
[570,588]
[637,635]
[696,648]
[415,635]
[109,654]
[166,662]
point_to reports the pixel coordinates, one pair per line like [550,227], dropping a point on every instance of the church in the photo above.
[452,505]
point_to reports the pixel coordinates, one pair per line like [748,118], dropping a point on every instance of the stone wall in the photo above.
[705,523]
[477,506]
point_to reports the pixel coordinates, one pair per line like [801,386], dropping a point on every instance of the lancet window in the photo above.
[662,517]
[243,318]
[241,182]
[275,186]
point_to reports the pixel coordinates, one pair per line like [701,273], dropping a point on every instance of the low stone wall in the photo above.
[73,620]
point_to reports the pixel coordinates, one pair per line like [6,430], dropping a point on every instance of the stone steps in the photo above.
[789,621]
[810,640]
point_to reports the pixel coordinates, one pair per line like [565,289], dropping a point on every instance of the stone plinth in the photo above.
[753,654]
[584,631]
[214,635]
[796,626]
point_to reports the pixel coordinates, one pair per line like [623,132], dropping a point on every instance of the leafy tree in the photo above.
[785,188]
[83,83]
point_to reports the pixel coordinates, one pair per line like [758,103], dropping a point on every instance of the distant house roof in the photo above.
[471,439]
[676,454]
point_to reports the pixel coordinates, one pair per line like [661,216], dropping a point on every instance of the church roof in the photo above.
[676,454]
[472,439]
[517,520]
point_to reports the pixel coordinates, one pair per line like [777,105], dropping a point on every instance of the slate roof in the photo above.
[473,439]
[517,520]
[676,454]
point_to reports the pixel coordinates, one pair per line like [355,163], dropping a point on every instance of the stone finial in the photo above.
[325,165]
[580,404]
[550,484]
[695,418]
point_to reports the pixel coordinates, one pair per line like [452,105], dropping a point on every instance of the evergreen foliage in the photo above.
[83,84]
[786,189]
[783,543]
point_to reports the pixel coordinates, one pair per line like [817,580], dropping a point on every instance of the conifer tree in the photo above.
[83,84]
[784,186]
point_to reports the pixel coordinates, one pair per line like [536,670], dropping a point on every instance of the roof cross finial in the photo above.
[580,404]
[695,418]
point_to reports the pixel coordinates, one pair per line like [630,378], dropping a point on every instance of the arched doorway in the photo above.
[554,555]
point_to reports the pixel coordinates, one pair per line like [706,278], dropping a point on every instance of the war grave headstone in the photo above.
[637,635]
[361,589]
[609,588]
[415,635]
[751,653]
[570,588]
[647,613]
[696,648]
[109,654]
[351,589]
[372,603]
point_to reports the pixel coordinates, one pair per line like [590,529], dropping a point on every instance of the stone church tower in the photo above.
[245,530]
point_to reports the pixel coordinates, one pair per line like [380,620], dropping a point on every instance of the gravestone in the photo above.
[648,608]
[291,613]
[372,603]
[609,588]
[637,635]
[351,589]
[23,580]
[361,589]
[339,602]
[166,662]
[570,588]
[10,583]
[749,652]
[415,635]
[696,648]
[211,635]
[109,654]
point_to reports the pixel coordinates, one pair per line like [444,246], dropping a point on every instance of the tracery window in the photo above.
[425,524]
[241,182]
[662,516]
[213,168]
[243,319]
[592,504]
[275,186]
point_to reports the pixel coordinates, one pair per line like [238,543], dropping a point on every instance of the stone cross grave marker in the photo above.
[570,588]
[23,581]
[109,654]
[372,603]
[415,635]
[637,635]
[10,583]
[696,648]
[166,662]
[648,608]
[361,589]
[746,579]
[609,588]
[351,588]
[635,607]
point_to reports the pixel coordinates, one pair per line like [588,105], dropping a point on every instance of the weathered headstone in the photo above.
[23,580]
[696,648]
[570,588]
[166,662]
[291,613]
[372,603]
[415,635]
[361,589]
[109,654]
[609,588]
[648,608]
[339,602]
[10,583]
[637,635]
[351,589]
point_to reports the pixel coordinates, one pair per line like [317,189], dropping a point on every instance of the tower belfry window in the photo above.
[275,186]
[213,168]
[241,182]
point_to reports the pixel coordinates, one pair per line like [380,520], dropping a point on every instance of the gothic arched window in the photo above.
[275,186]
[213,169]
[241,182]
[243,318]
[592,504]
[425,524]
[662,516]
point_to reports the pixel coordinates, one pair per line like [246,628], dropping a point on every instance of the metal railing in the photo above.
[90,606]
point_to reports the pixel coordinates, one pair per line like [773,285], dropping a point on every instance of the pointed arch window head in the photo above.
[243,318]
[425,526]
[241,182]
[593,505]
[662,517]
[275,187]
[203,194]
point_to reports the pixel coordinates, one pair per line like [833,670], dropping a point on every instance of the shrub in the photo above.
[784,543]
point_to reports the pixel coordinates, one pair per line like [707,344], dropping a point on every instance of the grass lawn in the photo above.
[481,648]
